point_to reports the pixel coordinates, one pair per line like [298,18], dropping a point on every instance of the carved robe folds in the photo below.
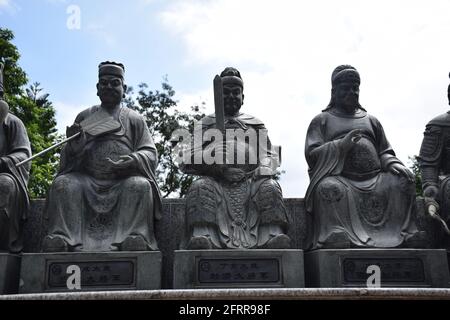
[355,201]
[94,208]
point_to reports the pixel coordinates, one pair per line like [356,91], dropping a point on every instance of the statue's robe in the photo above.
[94,207]
[244,214]
[354,194]
[14,201]
[434,160]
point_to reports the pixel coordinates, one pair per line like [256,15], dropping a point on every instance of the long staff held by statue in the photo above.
[97,124]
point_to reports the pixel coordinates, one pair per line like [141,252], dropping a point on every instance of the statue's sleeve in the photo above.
[195,153]
[324,158]
[430,155]
[385,151]
[145,154]
[19,150]
[19,144]
[69,160]
[268,156]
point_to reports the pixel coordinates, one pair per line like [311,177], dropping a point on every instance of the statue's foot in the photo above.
[337,240]
[280,241]
[134,243]
[199,243]
[54,244]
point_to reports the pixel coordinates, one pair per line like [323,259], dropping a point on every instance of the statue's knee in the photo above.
[7,186]
[269,193]
[201,200]
[138,185]
[66,184]
[330,190]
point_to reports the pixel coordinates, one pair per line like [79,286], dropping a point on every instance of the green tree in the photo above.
[163,117]
[36,112]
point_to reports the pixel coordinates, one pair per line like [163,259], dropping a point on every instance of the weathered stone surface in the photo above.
[249,294]
[9,273]
[238,269]
[331,268]
[171,229]
[47,272]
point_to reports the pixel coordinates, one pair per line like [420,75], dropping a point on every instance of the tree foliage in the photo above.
[37,113]
[163,117]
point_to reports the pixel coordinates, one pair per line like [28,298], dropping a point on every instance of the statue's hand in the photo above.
[124,163]
[78,143]
[351,139]
[219,150]
[233,174]
[431,192]
[264,171]
[73,130]
[399,169]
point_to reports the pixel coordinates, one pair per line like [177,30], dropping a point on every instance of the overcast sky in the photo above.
[285,50]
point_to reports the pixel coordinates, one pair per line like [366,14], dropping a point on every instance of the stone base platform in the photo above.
[281,268]
[249,294]
[105,271]
[333,268]
[9,273]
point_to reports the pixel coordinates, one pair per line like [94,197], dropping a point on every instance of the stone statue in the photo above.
[235,205]
[14,202]
[360,194]
[434,162]
[105,196]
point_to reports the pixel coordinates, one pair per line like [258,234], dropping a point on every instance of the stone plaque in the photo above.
[238,270]
[261,268]
[392,269]
[93,273]
[334,268]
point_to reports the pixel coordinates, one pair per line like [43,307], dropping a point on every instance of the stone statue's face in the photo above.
[233,98]
[347,94]
[110,89]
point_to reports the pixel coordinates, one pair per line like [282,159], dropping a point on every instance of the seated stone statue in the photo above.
[235,205]
[14,202]
[360,194]
[434,162]
[105,196]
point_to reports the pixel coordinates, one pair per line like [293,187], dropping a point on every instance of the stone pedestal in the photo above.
[49,272]
[331,268]
[238,269]
[9,273]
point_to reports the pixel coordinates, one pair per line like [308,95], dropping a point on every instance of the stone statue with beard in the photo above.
[105,196]
[235,205]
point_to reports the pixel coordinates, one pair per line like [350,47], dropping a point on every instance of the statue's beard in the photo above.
[231,108]
[110,96]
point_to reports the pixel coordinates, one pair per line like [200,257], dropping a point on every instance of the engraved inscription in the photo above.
[392,269]
[93,273]
[238,270]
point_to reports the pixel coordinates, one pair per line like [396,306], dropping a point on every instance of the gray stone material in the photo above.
[249,294]
[46,272]
[171,229]
[331,268]
[238,268]
[9,273]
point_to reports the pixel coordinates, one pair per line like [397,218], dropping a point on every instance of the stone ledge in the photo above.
[249,294]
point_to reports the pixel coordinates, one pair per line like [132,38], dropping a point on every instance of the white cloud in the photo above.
[286,51]
[8,6]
